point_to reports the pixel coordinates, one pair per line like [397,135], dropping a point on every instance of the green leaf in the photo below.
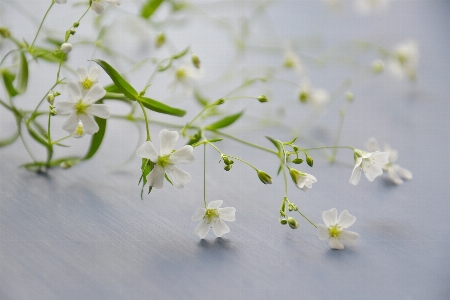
[274,142]
[9,140]
[161,107]
[124,87]
[150,7]
[225,122]
[8,79]
[96,139]
[22,76]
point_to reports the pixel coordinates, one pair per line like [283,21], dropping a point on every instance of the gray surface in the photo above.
[85,234]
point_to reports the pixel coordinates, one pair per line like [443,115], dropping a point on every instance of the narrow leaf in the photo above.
[161,107]
[225,122]
[96,139]
[124,87]
[150,7]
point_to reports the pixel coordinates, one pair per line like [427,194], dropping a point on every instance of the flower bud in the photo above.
[195,61]
[309,160]
[263,98]
[160,39]
[51,98]
[297,161]
[264,177]
[292,223]
[66,47]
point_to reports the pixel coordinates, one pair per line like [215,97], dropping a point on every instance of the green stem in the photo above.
[42,22]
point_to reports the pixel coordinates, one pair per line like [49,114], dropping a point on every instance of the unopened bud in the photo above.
[297,161]
[160,39]
[264,177]
[263,98]
[66,47]
[195,61]
[309,160]
[292,223]
[51,98]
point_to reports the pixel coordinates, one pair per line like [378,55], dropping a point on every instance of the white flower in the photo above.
[97,5]
[367,6]
[82,108]
[213,217]
[369,162]
[61,1]
[165,161]
[88,80]
[396,173]
[404,60]
[302,180]
[335,229]
[317,97]
[66,47]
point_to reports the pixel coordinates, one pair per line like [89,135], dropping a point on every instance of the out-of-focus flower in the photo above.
[334,229]
[369,162]
[213,217]
[404,59]
[395,172]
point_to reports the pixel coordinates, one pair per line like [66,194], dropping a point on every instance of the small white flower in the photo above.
[367,6]
[369,162]
[82,108]
[302,180]
[213,217]
[396,173]
[66,47]
[98,7]
[317,97]
[88,80]
[165,161]
[404,59]
[335,229]
[61,1]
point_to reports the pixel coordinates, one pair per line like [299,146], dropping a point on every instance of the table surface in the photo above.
[84,233]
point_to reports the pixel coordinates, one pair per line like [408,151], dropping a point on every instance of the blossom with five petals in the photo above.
[396,173]
[98,7]
[335,229]
[166,160]
[213,217]
[82,109]
[369,162]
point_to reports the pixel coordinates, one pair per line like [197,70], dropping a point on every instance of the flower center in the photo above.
[80,107]
[211,213]
[163,161]
[334,231]
[87,84]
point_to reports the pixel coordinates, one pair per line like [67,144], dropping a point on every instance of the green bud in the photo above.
[297,161]
[264,177]
[227,168]
[283,221]
[160,39]
[263,98]
[309,160]
[51,98]
[303,97]
[195,61]
[292,223]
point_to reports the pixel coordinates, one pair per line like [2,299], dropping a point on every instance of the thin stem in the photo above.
[146,120]
[40,25]
[204,174]
[307,219]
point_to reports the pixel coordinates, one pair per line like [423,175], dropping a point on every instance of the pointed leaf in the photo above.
[225,122]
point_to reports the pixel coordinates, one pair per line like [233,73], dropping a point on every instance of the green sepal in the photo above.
[225,122]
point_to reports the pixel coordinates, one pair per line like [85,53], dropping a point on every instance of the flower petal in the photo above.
[147,150]
[74,90]
[372,145]
[90,126]
[99,110]
[335,243]
[323,232]
[156,177]
[70,125]
[167,141]
[199,214]
[393,175]
[95,93]
[371,170]
[82,73]
[345,219]
[349,237]
[227,213]
[64,107]
[183,155]
[202,229]
[330,217]
[219,227]
[178,177]
[97,7]
[94,72]
[402,172]
[215,204]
